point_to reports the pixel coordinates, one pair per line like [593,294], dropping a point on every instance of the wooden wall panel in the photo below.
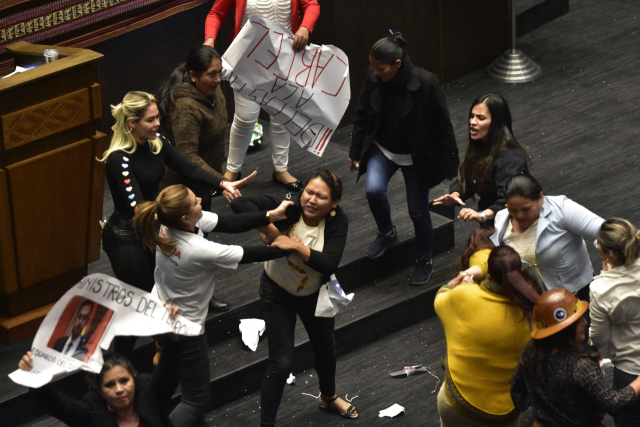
[8,274]
[44,119]
[50,195]
[96,101]
[96,194]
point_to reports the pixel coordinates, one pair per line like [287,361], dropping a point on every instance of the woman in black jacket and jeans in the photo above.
[402,122]
[315,233]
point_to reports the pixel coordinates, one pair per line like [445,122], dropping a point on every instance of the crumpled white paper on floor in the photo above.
[291,380]
[392,411]
[252,330]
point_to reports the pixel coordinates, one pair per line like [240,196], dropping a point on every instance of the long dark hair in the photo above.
[505,268]
[480,239]
[479,157]
[388,49]
[198,61]
[536,351]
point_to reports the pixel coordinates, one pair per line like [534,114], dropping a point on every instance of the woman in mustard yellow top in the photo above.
[486,327]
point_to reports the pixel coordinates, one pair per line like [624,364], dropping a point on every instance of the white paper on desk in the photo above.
[307,92]
[252,330]
[96,309]
[392,411]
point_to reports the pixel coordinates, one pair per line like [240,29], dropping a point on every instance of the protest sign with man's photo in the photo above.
[85,321]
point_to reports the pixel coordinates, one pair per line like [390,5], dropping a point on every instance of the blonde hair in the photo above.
[168,208]
[621,238]
[133,107]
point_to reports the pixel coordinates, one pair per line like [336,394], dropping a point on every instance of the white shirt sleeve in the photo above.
[208,221]
[214,254]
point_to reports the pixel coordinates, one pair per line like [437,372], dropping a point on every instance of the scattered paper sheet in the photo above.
[252,330]
[306,92]
[291,379]
[86,319]
[392,411]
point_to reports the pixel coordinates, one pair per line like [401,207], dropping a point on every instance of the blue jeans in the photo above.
[194,381]
[379,172]
[629,416]
[279,309]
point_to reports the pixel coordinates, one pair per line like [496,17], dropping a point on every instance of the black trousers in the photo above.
[279,309]
[131,263]
[629,416]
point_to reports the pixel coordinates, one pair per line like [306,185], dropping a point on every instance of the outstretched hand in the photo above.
[467,214]
[449,200]
[230,188]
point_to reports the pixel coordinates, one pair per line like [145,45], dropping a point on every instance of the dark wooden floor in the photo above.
[579,123]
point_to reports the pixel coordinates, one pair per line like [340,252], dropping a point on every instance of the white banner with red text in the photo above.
[307,92]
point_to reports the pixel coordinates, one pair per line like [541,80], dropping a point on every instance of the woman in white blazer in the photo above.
[549,233]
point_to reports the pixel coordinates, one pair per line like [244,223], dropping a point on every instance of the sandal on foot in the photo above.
[348,414]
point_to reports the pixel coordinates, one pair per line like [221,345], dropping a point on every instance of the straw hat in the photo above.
[555,310]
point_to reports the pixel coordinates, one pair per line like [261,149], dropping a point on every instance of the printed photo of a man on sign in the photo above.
[80,328]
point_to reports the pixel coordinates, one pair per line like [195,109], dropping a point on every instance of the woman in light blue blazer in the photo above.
[549,233]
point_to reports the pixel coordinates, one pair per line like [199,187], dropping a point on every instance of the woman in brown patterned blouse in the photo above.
[565,382]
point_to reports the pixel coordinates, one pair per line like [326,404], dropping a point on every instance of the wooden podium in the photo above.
[51,185]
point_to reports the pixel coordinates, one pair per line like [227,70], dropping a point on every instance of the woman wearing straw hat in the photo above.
[566,383]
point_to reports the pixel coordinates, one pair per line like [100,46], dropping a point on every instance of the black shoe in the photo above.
[381,244]
[217,305]
[422,272]
[292,186]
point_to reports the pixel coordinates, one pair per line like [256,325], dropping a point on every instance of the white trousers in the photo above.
[242,129]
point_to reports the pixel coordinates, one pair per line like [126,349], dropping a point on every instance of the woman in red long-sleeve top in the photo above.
[300,17]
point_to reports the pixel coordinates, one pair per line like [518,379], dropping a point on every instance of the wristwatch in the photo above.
[483,216]
[269,218]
